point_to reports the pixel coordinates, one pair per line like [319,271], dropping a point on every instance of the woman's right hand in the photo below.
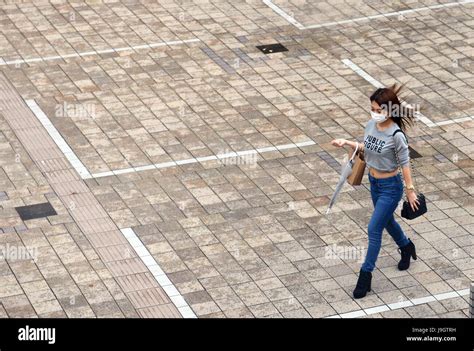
[413,200]
[339,142]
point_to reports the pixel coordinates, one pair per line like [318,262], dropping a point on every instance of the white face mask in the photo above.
[378,117]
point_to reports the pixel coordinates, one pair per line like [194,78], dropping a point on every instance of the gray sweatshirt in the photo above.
[380,148]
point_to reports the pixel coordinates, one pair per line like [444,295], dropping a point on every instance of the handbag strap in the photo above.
[400,131]
[398,160]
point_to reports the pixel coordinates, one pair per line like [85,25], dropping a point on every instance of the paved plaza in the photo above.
[189,172]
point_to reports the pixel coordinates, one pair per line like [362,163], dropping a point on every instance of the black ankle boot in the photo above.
[363,284]
[406,251]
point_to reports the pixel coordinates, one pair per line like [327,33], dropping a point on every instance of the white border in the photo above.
[158,273]
[402,304]
[418,115]
[98,52]
[234,154]
[58,139]
[298,25]
[85,174]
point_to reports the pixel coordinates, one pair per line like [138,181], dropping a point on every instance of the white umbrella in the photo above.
[346,171]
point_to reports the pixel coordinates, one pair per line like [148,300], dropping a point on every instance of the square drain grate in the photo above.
[413,153]
[35,211]
[272,48]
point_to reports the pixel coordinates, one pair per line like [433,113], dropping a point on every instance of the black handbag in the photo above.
[407,211]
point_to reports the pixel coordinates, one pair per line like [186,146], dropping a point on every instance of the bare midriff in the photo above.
[380,174]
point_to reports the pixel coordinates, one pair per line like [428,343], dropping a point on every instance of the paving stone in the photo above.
[242,236]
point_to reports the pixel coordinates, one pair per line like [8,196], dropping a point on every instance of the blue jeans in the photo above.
[386,194]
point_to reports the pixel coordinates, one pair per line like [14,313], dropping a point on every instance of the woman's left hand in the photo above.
[413,200]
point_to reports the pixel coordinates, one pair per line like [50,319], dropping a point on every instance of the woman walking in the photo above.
[385,148]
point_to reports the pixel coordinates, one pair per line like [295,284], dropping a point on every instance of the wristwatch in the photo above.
[410,187]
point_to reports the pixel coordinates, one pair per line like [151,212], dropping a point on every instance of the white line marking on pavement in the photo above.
[297,24]
[58,139]
[354,314]
[236,154]
[85,174]
[158,273]
[283,14]
[362,73]
[402,304]
[418,114]
[456,120]
[98,52]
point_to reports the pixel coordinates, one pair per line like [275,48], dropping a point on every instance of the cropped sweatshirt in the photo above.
[380,148]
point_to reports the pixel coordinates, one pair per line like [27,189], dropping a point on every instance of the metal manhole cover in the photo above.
[272,48]
[35,211]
